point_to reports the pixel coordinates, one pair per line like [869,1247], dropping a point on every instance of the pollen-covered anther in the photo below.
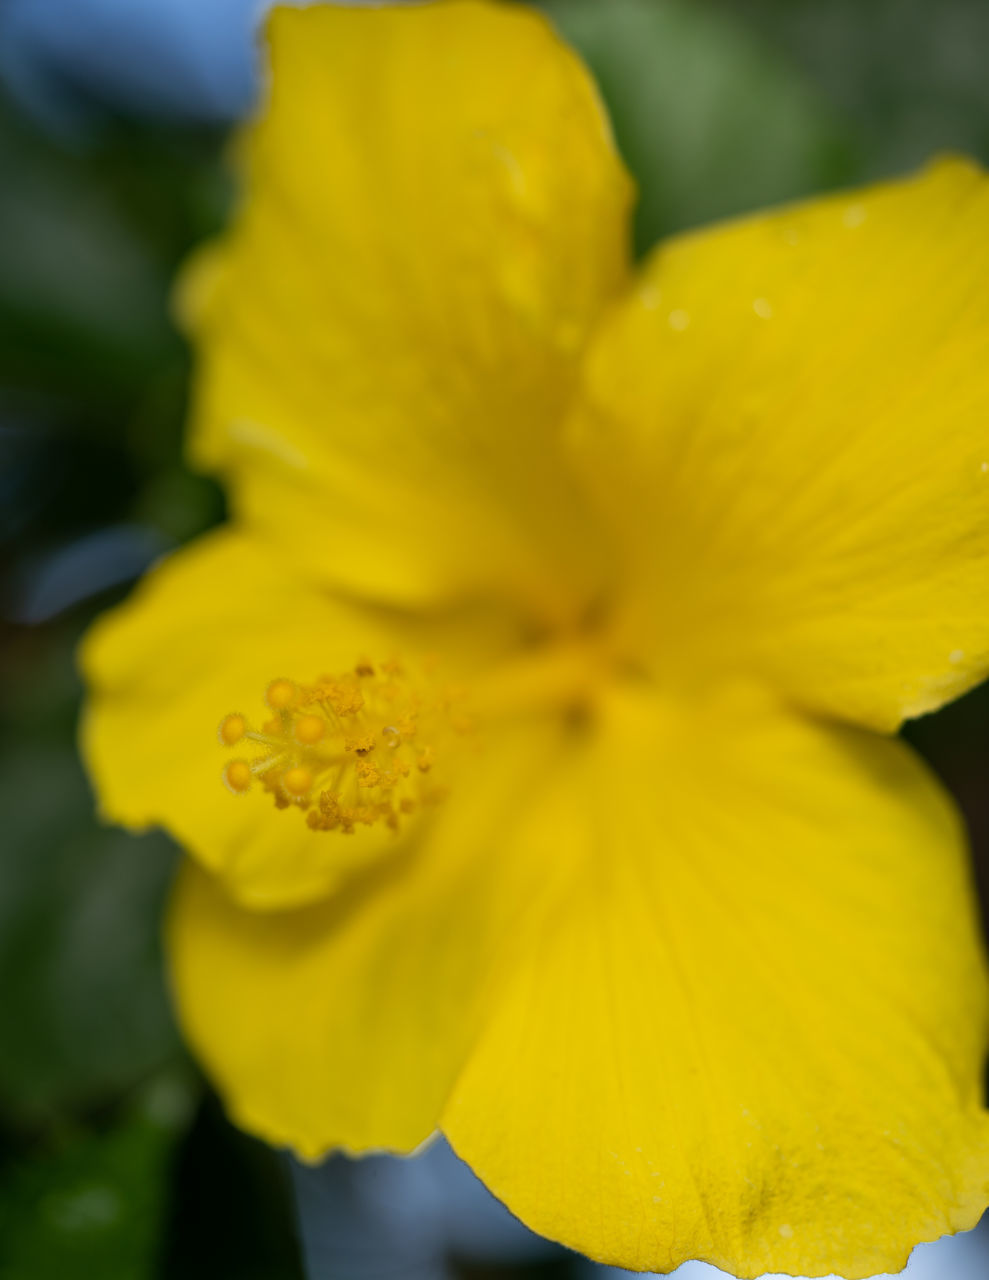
[368,774]
[351,750]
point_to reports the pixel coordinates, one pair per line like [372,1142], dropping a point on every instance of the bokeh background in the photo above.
[116,1163]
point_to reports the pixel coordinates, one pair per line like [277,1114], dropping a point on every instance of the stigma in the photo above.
[360,748]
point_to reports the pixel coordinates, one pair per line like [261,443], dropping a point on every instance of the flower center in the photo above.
[354,749]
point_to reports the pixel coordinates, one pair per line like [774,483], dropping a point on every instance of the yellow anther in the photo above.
[360,746]
[297,781]
[280,695]
[237,775]
[368,774]
[232,729]
[346,700]
[309,730]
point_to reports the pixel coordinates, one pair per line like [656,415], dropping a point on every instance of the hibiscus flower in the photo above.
[558,639]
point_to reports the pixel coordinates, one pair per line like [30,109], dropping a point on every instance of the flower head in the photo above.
[554,644]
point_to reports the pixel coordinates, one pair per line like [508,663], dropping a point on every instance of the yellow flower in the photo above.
[667,935]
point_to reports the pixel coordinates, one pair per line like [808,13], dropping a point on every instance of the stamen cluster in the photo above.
[348,750]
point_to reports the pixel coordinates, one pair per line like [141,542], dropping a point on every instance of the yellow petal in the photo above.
[202,637]
[343,1025]
[754,1032]
[789,420]
[434,216]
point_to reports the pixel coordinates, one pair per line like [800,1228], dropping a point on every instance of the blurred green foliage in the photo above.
[909,76]
[111,1163]
[93,1203]
[710,120]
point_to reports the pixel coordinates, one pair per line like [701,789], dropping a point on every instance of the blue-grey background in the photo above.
[115,1161]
